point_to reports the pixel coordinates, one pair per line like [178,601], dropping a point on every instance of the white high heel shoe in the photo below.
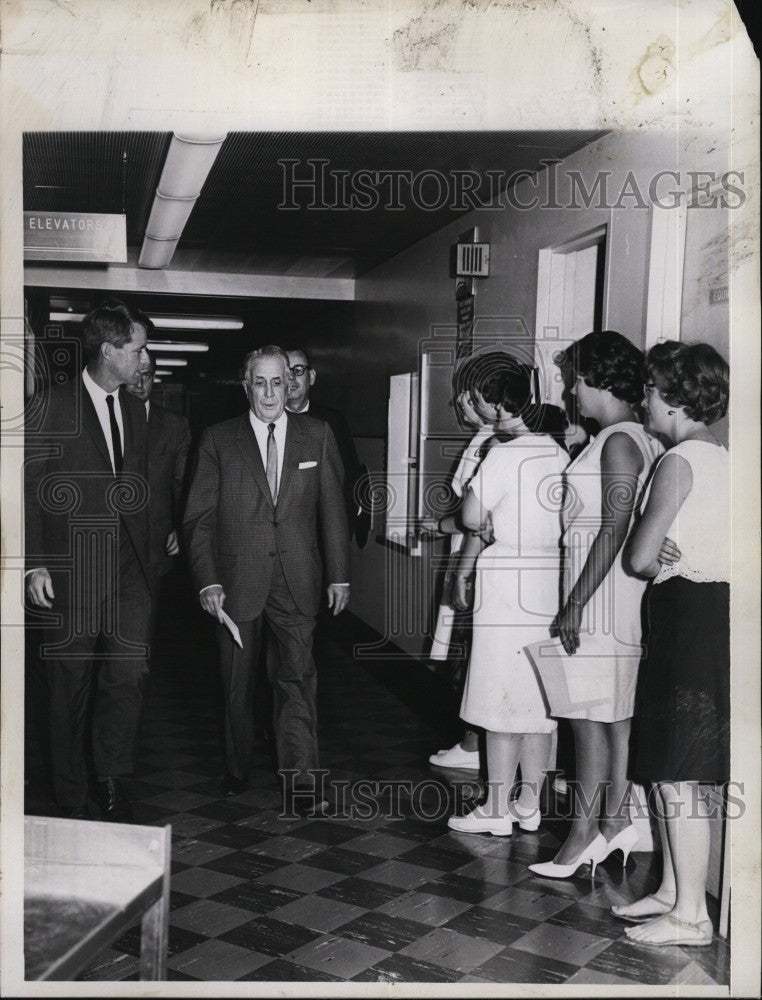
[624,841]
[592,855]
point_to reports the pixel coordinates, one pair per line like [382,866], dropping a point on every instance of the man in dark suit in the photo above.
[87,557]
[267,487]
[169,440]
[301,379]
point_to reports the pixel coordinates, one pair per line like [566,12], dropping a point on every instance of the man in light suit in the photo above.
[169,440]
[267,487]
[87,556]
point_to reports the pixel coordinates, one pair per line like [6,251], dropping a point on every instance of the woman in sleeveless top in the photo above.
[515,600]
[683,542]
[600,621]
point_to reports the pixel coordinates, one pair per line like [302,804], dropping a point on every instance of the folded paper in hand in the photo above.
[571,684]
[231,626]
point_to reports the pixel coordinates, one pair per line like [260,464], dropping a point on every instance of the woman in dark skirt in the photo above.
[683,542]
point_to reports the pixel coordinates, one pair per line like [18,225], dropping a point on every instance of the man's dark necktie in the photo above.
[116,437]
[272,462]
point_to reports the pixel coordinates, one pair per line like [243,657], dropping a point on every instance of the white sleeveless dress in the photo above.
[516,589]
[606,663]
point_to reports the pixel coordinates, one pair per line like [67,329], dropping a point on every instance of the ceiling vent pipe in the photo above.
[189,160]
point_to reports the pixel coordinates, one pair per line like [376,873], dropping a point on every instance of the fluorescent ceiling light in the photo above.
[66,317]
[189,160]
[171,362]
[177,346]
[167,322]
[162,371]
[162,322]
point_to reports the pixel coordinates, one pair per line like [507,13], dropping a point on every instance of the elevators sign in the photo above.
[75,236]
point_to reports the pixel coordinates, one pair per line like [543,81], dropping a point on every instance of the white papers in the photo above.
[572,684]
[231,626]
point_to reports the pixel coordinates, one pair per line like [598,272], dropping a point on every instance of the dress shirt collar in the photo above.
[262,425]
[97,394]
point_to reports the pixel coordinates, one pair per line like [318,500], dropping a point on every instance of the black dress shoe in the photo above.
[311,809]
[306,802]
[114,801]
[230,785]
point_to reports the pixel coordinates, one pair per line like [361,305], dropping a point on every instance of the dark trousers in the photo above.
[109,635]
[293,679]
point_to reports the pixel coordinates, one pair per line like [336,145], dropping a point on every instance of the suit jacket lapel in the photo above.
[247,444]
[294,445]
[93,426]
[135,427]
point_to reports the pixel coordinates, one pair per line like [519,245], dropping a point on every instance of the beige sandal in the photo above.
[703,934]
[643,918]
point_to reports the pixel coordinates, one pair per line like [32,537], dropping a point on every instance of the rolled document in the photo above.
[231,626]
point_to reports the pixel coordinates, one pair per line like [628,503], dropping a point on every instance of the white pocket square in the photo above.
[307,465]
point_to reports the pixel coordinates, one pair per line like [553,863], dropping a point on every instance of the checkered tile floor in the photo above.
[382,892]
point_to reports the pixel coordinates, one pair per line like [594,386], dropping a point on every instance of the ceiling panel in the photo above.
[239,223]
[111,172]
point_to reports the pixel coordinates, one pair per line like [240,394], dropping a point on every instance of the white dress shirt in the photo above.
[261,431]
[98,397]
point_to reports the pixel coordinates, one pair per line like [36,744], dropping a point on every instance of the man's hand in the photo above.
[39,588]
[172,546]
[212,600]
[338,597]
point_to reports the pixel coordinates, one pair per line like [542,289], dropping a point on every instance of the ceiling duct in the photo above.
[189,160]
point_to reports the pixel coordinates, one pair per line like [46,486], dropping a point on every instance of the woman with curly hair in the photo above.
[516,487]
[683,542]
[599,623]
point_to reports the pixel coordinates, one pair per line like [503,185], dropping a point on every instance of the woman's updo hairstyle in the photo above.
[475,371]
[607,360]
[692,376]
[512,387]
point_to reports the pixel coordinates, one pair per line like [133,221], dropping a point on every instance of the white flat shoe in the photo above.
[478,822]
[529,821]
[592,854]
[456,757]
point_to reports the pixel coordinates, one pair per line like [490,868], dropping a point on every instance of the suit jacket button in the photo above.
[272,554]
[275,524]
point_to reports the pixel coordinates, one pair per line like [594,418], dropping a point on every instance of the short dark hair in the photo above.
[110,322]
[480,371]
[607,360]
[693,376]
[299,350]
